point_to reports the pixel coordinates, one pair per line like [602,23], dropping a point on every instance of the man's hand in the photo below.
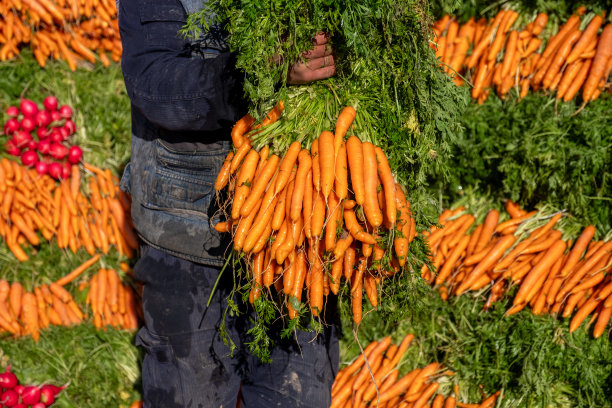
[317,64]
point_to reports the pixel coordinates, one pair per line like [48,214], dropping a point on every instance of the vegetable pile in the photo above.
[372,380]
[46,132]
[18,395]
[32,203]
[300,222]
[74,31]
[572,59]
[515,253]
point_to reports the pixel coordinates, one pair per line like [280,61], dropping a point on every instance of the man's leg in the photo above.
[186,363]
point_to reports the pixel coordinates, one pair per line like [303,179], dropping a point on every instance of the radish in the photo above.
[66,171]
[55,116]
[58,151]
[9,398]
[28,108]
[43,118]
[8,379]
[42,168]
[20,406]
[64,132]
[29,158]
[50,103]
[56,136]
[42,132]
[44,146]
[13,150]
[11,126]
[19,388]
[40,405]
[12,111]
[75,154]
[21,138]
[65,111]
[28,124]
[31,395]
[32,144]
[70,126]
[55,170]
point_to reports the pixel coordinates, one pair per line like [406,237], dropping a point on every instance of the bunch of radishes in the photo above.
[40,136]
[17,395]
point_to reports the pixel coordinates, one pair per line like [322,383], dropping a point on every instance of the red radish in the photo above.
[20,406]
[42,168]
[40,405]
[55,389]
[66,171]
[9,398]
[56,136]
[43,146]
[13,150]
[43,118]
[70,126]
[8,379]
[55,170]
[19,388]
[28,124]
[47,396]
[31,395]
[11,126]
[65,111]
[55,116]
[28,108]
[75,154]
[42,132]
[22,138]
[29,158]
[50,103]
[12,111]
[64,132]
[58,151]
[32,145]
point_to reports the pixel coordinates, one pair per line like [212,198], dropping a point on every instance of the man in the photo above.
[185,97]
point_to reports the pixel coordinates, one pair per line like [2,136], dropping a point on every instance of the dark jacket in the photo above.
[185,97]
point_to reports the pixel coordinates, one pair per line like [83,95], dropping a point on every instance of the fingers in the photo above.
[318,51]
[320,38]
[313,70]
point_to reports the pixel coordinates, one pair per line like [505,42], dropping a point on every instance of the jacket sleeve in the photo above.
[165,83]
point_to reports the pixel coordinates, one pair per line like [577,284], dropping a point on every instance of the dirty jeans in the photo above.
[186,363]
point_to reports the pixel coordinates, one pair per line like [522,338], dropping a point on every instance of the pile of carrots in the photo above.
[302,224]
[31,204]
[112,303]
[553,276]
[24,313]
[493,54]
[71,30]
[371,380]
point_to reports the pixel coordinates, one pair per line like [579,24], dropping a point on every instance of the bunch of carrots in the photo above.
[300,222]
[31,204]
[72,30]
[24,313]
[552,275]
[371,380]
[495,54]
[112,302]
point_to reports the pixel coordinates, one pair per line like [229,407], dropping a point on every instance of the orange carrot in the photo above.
[222,178]
[600,61]
[286,166]
[240,128]
[587,37]
[344,121]
[326,162]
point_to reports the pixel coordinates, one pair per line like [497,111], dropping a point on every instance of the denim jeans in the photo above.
[187,364]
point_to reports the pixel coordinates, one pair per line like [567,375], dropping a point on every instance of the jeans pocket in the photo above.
[161,381]
[183,182]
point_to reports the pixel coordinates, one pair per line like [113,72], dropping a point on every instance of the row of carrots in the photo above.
[72,30]
[552,275]
[301,224]
[31,204]
[372,380]
[496,54]
[25,313]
